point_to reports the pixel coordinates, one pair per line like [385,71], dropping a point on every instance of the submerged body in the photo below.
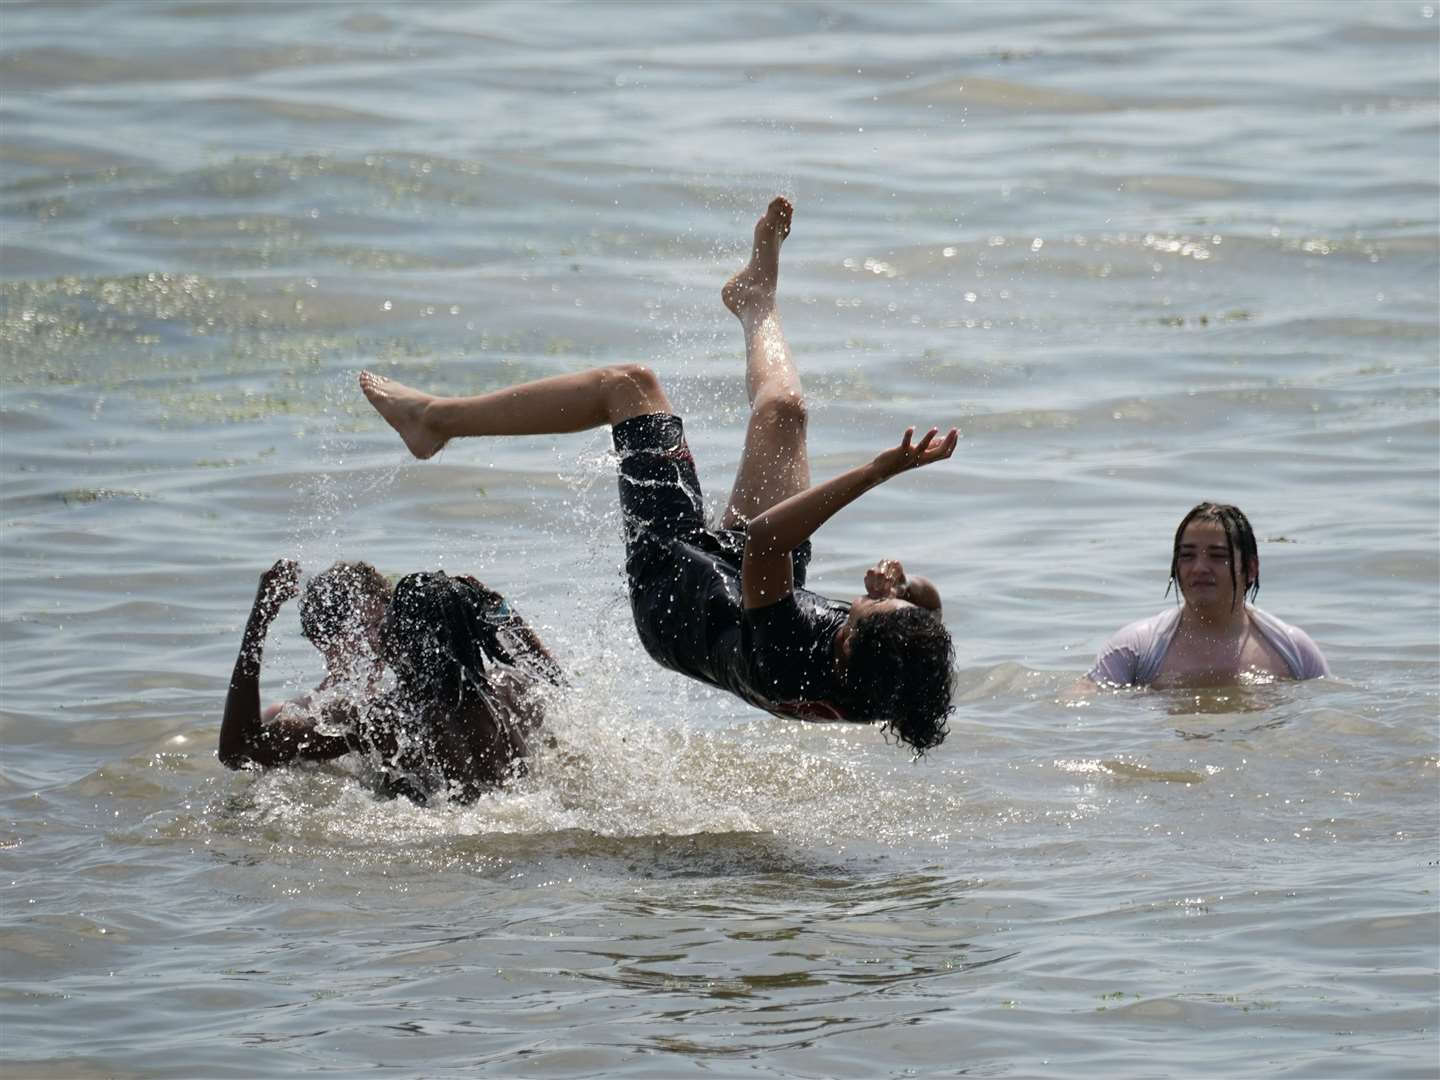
[340,614]
[1140,654]
[1215,637]
[467,700]
[459,720]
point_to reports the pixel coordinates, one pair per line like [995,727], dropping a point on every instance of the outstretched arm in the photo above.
[245,738]
[766,571]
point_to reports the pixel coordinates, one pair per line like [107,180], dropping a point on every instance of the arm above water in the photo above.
[766,570]
[278,736]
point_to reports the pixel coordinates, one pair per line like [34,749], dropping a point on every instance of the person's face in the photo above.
[1203,568]
[356,639]
[339,649]
[373,621]
[865,607]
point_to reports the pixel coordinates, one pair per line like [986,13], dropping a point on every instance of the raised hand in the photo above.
[277,585]
[885,578]
[911,455]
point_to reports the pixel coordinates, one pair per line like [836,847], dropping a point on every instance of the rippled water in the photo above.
[1144,254]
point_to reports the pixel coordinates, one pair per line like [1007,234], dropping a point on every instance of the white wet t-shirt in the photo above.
[1134,655]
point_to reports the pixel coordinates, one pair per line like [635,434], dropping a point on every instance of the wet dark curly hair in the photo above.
[899,671]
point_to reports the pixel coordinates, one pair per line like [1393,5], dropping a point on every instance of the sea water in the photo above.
[1143,255]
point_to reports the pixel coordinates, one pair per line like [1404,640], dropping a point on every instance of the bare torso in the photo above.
[458,753]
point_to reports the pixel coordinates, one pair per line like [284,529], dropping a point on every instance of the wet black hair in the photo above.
[440,632]
[1244,552]
[439,635]
[899,671]
[333,599]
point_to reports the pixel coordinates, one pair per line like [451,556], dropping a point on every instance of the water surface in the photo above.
[1143,255]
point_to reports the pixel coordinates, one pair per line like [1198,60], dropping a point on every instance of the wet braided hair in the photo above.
[440,632]
[1244,552]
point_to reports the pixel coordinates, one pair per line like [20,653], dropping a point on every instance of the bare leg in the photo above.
[555,405]
[774,464]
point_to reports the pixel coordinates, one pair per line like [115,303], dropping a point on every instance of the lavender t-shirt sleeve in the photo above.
[1132,657]
[1301,654]
[1119,658]
[1312,660]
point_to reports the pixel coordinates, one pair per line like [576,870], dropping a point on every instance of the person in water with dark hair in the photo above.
[727,605]
[466,703]
[458,720]
[1215,636]
[340,614]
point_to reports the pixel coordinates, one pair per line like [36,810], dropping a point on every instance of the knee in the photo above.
[632,390]
[635,378]
[784,409]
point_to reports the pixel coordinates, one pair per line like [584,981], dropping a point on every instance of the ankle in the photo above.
[431,417]
[758,318]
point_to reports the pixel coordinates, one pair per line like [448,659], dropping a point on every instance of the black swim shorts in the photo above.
[660,495]
[659,489]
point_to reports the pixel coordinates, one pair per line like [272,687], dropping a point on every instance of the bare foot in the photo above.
[404,410]
[752,290]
